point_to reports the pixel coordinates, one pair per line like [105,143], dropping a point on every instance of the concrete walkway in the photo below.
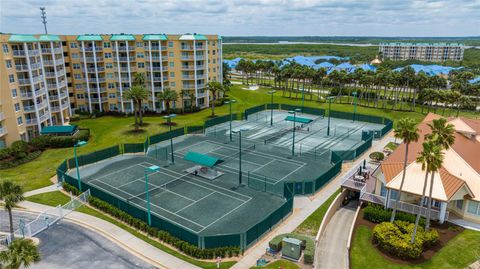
[53,187]
[121,237]
[331,252]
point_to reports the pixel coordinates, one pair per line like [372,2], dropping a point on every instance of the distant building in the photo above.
[430,52]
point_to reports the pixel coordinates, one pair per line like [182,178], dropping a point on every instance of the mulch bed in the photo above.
[446,232]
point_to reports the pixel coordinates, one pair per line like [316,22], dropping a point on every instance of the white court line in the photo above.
[131,166]
[291,172]
[228,213]
[163,217]
[195,202]
[262,166]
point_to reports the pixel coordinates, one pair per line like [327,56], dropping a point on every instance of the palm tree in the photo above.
[463,101]
[11,194]
[406,130]
[167,96]
[191,95]
[183,94]
[214,87]
[137,94]
[21,253]
[442,135]
[431,159]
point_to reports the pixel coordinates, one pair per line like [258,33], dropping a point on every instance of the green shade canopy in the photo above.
[22,38]
[89,38]
[122,37]
[201,159]
[155,37]
[55,38]
[298,119]
[193,37]
[59,130]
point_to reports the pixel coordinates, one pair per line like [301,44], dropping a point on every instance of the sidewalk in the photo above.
[53,187]
[121,237]
[305,206]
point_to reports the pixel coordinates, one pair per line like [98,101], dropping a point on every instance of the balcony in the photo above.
[49,74]
[2,116]
[33,52]
[156,68]
[158,47]
[93,59]
[201,95]
[18,53]
[126,69]
[95,80]
[21,67]
[91,48]
[92,69]
[3,131]
[124,48]
[34,121]
[51,62]
[23,81]
[188,67]
[187,58]
[157,58]
[126,59]
[155,79]
[188,77]
[101,89]
[49,50]
[200,67]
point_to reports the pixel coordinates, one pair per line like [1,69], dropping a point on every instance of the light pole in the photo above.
[354,104]
[294,112]
[239,132]
[230,102]
[78,144]
[303,97]
[330,99]
[271,107]
[169,122]
[150,169]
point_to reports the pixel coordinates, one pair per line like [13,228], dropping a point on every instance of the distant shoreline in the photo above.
[317,43]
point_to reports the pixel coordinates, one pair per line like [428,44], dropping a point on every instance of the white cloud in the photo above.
[246,17]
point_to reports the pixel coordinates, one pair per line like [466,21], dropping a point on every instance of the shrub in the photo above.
[19,149]
[377,156]
[378,214]
[28,157]
[308,245]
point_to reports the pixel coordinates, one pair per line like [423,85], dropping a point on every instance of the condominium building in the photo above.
[431,52]
[44,79]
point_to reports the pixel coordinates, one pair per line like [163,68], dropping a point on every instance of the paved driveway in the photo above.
[67,245]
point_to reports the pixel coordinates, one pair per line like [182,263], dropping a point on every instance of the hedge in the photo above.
[378,214]
[26,159]
[308,245]
[394,238]
[163,236]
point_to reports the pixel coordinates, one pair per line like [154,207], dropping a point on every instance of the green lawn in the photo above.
[279,264]
[460,252]
[311,224]
[56,197]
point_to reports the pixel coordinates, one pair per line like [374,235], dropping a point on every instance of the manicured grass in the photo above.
[391,145]
[279,264]
[56,197]
[311,224]
[459,252]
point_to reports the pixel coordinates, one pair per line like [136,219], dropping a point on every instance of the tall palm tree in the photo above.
[431,159]
[442,135]
[11,194]
[183,95]
[21,253]
[214,87]
[406,130]
[167,96]
[137,94]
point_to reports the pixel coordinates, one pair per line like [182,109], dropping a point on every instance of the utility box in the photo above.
[291,248]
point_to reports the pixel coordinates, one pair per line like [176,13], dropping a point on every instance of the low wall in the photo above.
[334,206]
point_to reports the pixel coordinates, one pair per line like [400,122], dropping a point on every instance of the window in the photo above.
[459,204]
[79,95]
[109,75]
[140,55]
[214,69]
[108,55]
[139,44]
[19,121]
[11,78]
[172,84]
[141,65]
[111,85]
[76,66]
[172,74]
[108,65]
[383,190]
[214,61]
[14,93]
[78,86]
[106,44]
[73,45]
[213,52]
[74,55]
[8,63]
[17,107]
[113,107]
[170,54]
[172,64]
[170,44]
[473,207]
[77,76]
[5,48]
[112,95]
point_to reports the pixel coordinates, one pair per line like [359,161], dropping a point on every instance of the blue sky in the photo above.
[247,17]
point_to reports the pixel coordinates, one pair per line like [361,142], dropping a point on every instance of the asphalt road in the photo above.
[67,245]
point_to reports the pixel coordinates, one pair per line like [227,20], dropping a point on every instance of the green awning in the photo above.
[201,159]
[193,37]
[155,37]
[89,38]
[22,38]
[54,38]
[122,37]
[298,119]
[59,130]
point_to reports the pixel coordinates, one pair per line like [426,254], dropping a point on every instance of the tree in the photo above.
[408,131]
[442,135]
[431,159]
[21,252]
[183,95]
[167,96]
[11,194]
[214,87]
[137,94]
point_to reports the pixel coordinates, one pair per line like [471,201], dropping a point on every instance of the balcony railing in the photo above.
[21,67]
[158,48]
[92,59]
[95,80]
[188,67]
[158,58]
[18,53]
[3,131]
[49,50]
[187,58]
[92,69]
[91,48]
[124,48]
[23,81]
[188,77]
[157,68]
[126,59]
[2,116]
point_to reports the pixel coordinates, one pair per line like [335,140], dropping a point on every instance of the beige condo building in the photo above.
[430,52]
[44,79]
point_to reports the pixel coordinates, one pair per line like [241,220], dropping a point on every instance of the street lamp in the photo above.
[150,169]
[169,122]
[230,102]
[354,104]
[330,99]
[80,143]
[271,107]
[239,132]
[294,112]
